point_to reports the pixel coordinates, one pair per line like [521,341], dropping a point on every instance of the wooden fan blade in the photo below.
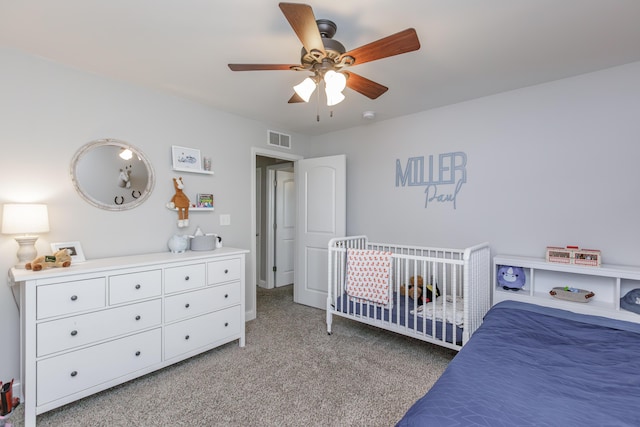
[303,22]
[395,44]
[295,98]
[261,67]
[367,87]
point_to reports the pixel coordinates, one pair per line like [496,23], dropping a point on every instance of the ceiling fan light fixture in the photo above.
[333,98]
[305,89]
[336,82]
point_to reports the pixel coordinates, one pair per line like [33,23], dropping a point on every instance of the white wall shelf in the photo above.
[203,172]
[192,209]
[608,282]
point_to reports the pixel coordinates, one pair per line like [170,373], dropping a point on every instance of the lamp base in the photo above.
[27,250]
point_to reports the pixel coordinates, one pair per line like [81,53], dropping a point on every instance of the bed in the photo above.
[529,365]
[455,288]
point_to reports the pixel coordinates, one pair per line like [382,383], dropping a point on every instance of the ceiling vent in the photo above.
[279,139]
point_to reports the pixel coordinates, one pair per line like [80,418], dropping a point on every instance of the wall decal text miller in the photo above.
[450,172]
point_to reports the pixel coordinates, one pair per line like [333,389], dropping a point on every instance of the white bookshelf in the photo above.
[608,282]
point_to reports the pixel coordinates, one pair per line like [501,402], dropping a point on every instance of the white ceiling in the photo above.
[469,48]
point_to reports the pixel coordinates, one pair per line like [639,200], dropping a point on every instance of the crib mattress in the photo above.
[529,365]
[399,315]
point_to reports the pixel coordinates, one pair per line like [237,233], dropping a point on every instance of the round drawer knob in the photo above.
[74,333]
[138,317]
[226,271]
[74,373]
[138,286]
[226,324]
[137,353]
[186,337]
[74,297]
[186,277]
[186,305]
[226,295]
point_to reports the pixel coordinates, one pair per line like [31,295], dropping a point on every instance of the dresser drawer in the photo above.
[62,334]
[184,277]
[73,372]
[224,270]
[191,334]
[134,286]
[70,297]
[202,301]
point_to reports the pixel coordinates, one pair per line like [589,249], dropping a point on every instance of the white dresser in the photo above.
[102,322]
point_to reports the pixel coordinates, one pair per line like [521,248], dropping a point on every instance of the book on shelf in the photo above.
[204,200]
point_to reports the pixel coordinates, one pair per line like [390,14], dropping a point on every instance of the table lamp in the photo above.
[25,220]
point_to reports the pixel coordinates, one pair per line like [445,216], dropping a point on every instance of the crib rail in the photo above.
[462,277]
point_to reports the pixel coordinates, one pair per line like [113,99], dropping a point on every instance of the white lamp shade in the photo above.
[334,98]
[305,89]
[336,82]
[25,219]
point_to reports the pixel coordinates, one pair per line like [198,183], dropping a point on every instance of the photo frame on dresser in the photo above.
[77,255]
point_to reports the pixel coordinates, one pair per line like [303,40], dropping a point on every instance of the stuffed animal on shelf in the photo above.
[181,202]
[511,278]
[61,258]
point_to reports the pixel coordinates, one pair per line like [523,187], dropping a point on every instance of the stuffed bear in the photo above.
[61,258]
[415,290]
[511,278]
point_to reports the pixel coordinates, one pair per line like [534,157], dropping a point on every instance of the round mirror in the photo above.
[112,174]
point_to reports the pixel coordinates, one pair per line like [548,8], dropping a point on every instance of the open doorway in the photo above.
[321,215]
[275,222]
[264,163]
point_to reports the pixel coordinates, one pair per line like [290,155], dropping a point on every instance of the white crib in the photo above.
[462,276]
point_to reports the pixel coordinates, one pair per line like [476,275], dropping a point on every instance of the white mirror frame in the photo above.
[144,194]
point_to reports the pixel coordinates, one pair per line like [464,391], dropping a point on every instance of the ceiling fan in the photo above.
[328,60]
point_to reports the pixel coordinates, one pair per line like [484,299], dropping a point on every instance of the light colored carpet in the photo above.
[291,373]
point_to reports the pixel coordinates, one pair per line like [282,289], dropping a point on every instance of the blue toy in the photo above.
[511,278]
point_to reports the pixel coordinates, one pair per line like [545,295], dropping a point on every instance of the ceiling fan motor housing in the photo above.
[333,48]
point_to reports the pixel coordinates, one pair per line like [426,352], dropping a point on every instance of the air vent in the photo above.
[279,139]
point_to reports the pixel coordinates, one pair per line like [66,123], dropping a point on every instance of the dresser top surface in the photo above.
[129,261]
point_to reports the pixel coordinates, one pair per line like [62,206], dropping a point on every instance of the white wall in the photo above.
[47,112]
[553,164]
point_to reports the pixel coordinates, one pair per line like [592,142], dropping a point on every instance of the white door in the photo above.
[258,225]
[285,227]
[321,188]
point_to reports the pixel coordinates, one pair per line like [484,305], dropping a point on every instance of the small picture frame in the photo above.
[560,255]
[184,158]
[76,250]
[204,200]
[590,257]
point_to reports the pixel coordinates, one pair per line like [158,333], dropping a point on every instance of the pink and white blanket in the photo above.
[368,276]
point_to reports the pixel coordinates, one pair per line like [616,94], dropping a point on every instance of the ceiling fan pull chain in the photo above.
[318,104]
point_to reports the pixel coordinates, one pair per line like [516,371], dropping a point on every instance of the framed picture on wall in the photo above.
[205,200]
[76,250]
[186,158]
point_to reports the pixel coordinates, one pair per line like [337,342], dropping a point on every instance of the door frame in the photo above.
[257,151]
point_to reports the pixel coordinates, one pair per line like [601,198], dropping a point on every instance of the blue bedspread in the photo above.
[535,366]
